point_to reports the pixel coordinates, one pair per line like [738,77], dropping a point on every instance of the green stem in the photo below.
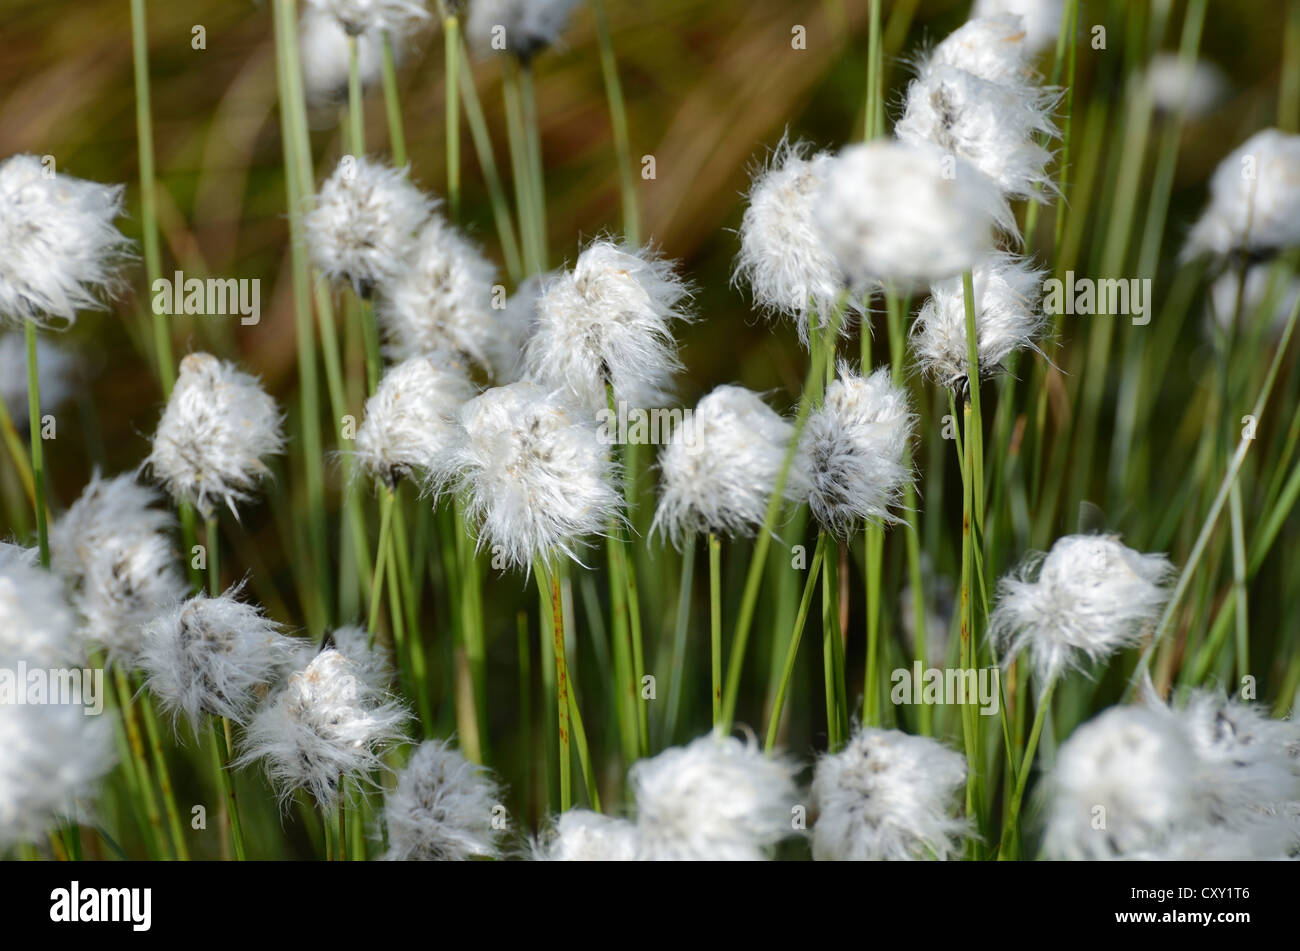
[618,124]
[37,443]
[1011,822]
[451,66]
[148,206]
[715,625]
[792,652]
[356,103]
[221,764]
[214,558]
[556,616]
[392,103]
[680,629]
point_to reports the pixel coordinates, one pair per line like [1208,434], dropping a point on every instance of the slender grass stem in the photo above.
[392,102]
[546,580]
[680,628]
[715,625]
[451,66]
[148,201]
[220,729]
[792,652]
[1011,821]
[37,443]
[618,124]
[754,576]
[356,102]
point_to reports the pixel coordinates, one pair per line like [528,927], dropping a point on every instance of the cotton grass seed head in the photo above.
[36,622]
[60,251]
[329,724]
[1008,318]
[441,809]
[410,422]
[906,215]
[521,27]
[609,321]
[115,549]
[211,442]
[323,50]
[1251,764]
[993,126]
[1124,785]
[783,259]
[358,16]
[1195,87]
[534,472]
[1041,19]
[889,796]
[715,799]
[361,223]
[441,299]
[853,449]
[54,759]
[1254,199]
[720,468]
[581,835]
[1087,598]
[993,48]
[214,656]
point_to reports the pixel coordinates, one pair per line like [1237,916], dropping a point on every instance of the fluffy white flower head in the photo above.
[608,321]
[59,249]
[514,327]
[1085,599]
[215,656]
[442,299]
[1254,199]
[715,799]
[906,215]
[580,835]
[993,126]
[218,426]
[323,50]
[36,623]
[1250,766]
[441,809]
[1041,18]
[852,450]
[328,724]
[410,422]
[1139,767]
[783,258]
[1008,317]
[534,471]
[889,796]
[1195,87]
[114,546]
[994,48]
[54,757]
[358,16]
[721,467]
[521,27]
[361,223]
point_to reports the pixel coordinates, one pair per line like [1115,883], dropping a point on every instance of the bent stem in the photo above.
[805,603]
